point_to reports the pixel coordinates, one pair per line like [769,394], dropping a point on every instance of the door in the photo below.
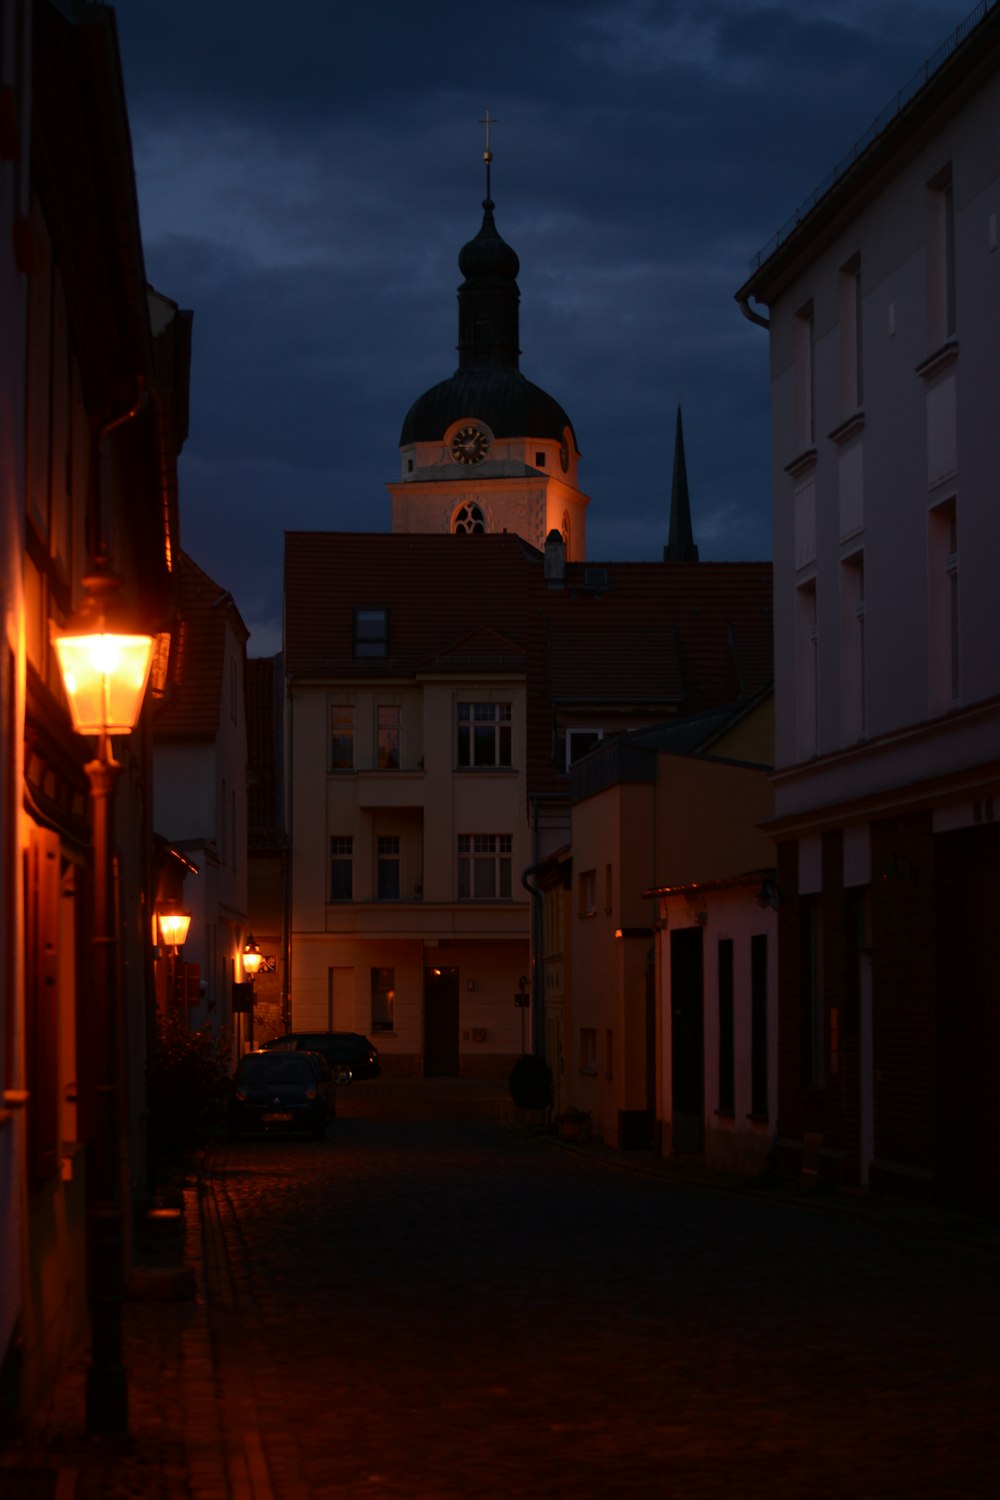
[440,1023]
[687,1071]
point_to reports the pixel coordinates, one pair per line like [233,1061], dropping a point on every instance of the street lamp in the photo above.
[173,925]
[105,664]
[252,958]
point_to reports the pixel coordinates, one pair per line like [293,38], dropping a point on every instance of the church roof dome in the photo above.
[488,383]
[509,404]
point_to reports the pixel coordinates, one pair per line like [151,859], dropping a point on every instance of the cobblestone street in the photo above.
[441,1308]
[437,1306]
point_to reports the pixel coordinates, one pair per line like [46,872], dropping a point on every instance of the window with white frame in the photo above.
[484,866]
[484,734]
[587,893]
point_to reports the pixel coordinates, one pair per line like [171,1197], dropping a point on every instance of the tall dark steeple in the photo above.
[681,545]
[488,297]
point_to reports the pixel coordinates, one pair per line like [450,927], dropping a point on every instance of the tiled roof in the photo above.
[437,591]
[647,641]
[191,705]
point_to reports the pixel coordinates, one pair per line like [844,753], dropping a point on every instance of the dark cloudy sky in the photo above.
[309,171]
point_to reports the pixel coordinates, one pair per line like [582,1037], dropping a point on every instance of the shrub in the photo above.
[186,1077]
[530,1082]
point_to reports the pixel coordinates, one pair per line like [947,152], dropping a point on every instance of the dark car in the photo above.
[283,1091]
[348,1053]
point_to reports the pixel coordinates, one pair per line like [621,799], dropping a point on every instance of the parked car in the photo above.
[281,1090]
[348,1053]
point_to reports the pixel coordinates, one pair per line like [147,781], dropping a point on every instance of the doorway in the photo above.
[440,1023]
[687,1041]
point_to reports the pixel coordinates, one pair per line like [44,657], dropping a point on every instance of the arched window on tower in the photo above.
[565,531]
[468,520]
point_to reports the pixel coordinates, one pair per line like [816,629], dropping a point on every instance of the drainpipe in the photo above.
[537,934]
[755,317]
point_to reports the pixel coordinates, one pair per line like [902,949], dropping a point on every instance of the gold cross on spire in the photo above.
[488,154]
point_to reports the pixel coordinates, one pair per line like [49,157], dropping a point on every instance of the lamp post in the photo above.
[105,665]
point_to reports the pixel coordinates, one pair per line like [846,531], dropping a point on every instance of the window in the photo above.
[484,734]
[727,1071]
[388,867]
[588,1049]
[341,737]
[484,862]
[851,353]
[383,999]
[943,607]
[539,460]
[758,1025]
[805,364]
[371,632]
[341,867]
[852,662]
[468,520]
[941,260]
[388,737]
[580,741]
[587,889]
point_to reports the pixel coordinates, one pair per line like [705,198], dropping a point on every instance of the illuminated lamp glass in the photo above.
[104,662]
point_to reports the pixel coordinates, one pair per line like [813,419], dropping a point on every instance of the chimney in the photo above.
[555,559]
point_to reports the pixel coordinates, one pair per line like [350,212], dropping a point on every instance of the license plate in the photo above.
[275,1116]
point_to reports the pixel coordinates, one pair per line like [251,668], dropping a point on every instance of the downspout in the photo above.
[286,936]
[754,317]
[537,930]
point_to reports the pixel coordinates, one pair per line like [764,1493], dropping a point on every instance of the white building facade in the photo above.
[883,308]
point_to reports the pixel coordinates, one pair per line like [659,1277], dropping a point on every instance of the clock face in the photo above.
[470,445]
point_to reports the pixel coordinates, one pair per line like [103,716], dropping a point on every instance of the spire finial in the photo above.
[488,154]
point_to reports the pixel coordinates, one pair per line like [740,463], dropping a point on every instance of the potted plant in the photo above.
[573,1124]
[530,1084]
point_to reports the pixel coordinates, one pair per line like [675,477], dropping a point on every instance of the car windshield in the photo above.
[273,1067]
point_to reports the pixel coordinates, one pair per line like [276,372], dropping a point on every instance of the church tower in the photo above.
[486,450]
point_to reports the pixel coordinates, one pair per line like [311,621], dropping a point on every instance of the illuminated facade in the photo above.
[88,451]
[487,451]
[438,693]
[883,311]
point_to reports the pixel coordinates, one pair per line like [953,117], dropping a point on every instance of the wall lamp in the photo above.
[173,925]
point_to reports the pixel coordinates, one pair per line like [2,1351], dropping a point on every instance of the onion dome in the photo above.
[488,383]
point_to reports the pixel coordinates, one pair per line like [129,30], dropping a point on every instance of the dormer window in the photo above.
[371,632]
